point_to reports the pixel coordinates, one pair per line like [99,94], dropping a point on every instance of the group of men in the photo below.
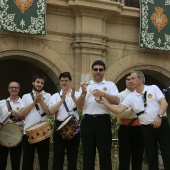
[140,108]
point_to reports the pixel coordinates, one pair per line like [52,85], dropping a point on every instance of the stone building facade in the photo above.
[78,33]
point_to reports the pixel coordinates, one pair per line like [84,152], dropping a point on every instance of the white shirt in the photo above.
[34,116]
[62,113]
[4,109]
[129,113]
[91,106]
[135,101]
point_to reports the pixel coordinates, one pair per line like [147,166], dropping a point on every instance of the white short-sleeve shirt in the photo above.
[135,101]
[91,106]
[4,109]
[62,113]
[34,116]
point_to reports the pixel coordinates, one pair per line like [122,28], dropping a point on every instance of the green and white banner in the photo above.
[155,24]
[26,16]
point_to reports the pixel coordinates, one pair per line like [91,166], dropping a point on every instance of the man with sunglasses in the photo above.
[96,124]
[149,103]
[12,105]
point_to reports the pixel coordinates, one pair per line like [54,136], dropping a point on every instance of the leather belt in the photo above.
[95,115]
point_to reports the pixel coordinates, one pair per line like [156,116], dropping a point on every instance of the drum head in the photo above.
[65,122]
[10,135]
[37,125]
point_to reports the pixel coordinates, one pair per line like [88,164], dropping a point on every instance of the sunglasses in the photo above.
[98,69]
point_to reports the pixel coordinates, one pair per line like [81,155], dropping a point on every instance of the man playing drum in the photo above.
[35,109]
[58,103]
[9,118]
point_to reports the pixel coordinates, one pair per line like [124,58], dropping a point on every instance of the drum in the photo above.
[69,128]
[10,135]
[38,132]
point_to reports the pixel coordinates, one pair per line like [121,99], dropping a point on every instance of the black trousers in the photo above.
[60,146]
[15,155]
[153,136]
[96,133]
[130,147]
[29,152]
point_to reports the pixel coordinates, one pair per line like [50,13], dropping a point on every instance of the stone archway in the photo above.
[35,54]
[152,65]
[22,72]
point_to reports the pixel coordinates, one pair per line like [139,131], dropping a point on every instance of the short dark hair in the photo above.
[65,74]
[38,76]
[14,82]
[99,62]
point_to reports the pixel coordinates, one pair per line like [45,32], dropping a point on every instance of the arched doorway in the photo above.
[21,71]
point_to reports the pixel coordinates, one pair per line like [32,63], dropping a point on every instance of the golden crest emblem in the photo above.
[150,96]
[105,89]
[159,19]
[17,109]
[23,5]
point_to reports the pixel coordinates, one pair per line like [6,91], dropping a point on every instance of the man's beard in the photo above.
[37,89]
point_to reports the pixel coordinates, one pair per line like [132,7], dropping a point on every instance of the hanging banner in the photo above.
[25,16]
[155,24]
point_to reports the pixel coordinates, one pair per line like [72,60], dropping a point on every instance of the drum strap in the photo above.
[145,104]
[9,109]
[66,107]
[36,105]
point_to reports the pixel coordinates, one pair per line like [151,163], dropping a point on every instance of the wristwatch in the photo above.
[160,116]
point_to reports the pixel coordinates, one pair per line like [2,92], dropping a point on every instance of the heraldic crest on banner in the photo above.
[25,16]
[159,19]
[154,24]
[23,5]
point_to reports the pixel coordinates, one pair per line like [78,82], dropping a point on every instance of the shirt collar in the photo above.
[138,94]
[102,82]
[19,99]
[61,92]
[42,92]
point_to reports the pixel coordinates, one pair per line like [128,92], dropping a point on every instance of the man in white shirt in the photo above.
[63,105]
[35,109]
[13,106]
[149,103]
[96,124]
[129,135]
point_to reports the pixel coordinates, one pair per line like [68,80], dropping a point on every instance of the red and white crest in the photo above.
[23,5]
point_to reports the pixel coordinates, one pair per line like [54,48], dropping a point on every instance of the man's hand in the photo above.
[38,98]
[15,114]
[64,95]
[97,92]
[157,122]
[101,100]
[84,89]
[73,92]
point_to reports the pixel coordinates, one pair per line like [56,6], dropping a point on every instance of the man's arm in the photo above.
[111,98]
[24,111]
[163,107]
[42,104]
[115,109]
[81,99]
[54,108]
